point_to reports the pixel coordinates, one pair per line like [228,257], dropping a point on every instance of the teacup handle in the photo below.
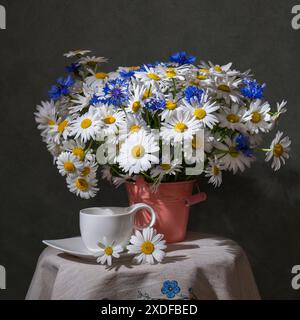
[138,206]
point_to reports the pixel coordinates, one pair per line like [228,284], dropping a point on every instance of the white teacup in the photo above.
[110,223]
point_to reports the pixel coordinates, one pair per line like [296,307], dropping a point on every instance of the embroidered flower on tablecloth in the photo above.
[170,288]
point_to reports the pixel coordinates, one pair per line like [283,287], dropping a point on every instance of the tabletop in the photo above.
[201,267]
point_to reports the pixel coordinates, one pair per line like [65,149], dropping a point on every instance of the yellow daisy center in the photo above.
[204,70]
[171,105]
[108,251]
[133,68]
[51,122]
[82,184]
[224,88]
[69,166]
[165,166]
[147,247]
[170,72]
[62,126]
[201,77]
[153,76]
[134,128]
[136,106]
[147,94]
[278,150]
[256,117]
[181,127]
[233,152]
[233,118]
[218,68]
[101,75]
[196,143]
[78,152]
[216,171]
[138,151]
[194,82]
[86,171]
[200,113]
[109,120]
[86,123]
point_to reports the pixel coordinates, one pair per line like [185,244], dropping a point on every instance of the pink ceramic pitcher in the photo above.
[171,203]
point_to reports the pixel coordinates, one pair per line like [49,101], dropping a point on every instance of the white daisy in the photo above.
[167,73]
[148,245]
[278,150]
[108,251]
[257,118]
[135,102]
[89,168]
[203,111]
[85,187]
[180,126]
[76,147]
[172,104]
[55,149]
[134,123]
[86,126]
[91,61]
[68,164]
[163,169]
[214,171]
[61,130]
[149,77]
[220,71]
[96,79]
[76,53]
[232,158]
[227,88]
[82,100]
[281,109]
[111,119]
[232,117]
[46,115]
[137,152]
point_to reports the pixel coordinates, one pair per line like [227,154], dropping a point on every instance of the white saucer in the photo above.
[73,246]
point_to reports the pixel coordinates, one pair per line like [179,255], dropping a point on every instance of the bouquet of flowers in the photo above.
[121,120]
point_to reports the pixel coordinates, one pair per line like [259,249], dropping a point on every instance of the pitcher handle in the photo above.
[195,198]
[138,206]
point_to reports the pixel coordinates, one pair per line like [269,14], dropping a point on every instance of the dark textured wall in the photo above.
[258,209]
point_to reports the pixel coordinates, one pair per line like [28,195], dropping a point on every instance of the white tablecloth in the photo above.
[202,267]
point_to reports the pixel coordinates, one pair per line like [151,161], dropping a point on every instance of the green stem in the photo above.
[147,176]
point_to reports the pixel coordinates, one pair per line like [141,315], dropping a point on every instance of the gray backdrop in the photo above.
[258,209]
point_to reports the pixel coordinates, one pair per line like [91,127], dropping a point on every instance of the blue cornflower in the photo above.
[253,90]
[127,74]
[242,144]
[193,93]
[116,92]
[61,88]
[95,100]
[154,104]
[73,67]
[181,57]
[170,288]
